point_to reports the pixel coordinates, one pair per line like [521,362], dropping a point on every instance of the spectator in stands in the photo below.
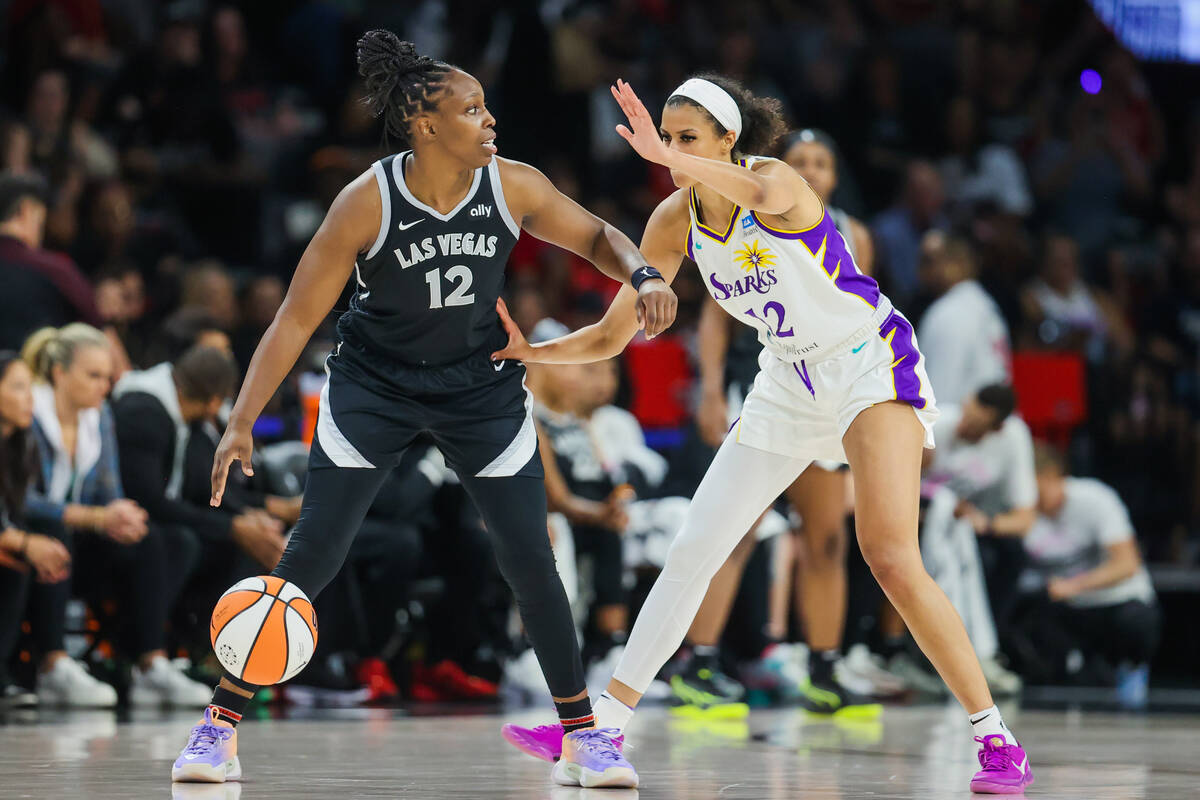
[40,288]
[26,556]
[79,496]
[1064,313]
[155,410]
[977,174]
[963,336]
[59,140]
[208,285]
[1097,601]
[898,230]
[1083,179]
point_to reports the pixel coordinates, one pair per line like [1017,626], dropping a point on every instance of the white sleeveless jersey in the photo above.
[801,290]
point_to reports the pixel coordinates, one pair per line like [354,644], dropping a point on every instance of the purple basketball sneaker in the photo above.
[544,741]
[591,758]
[1005,767]
[210,755]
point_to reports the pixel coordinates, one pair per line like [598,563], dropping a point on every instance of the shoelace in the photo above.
[992,757]
[205,737]
[547,730]
[599,741]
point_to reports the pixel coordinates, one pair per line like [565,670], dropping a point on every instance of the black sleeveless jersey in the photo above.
[426,290]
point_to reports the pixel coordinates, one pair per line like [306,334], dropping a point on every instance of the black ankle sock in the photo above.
[820,665]
[891,646]
[575,714]
[705,657]
[229,706]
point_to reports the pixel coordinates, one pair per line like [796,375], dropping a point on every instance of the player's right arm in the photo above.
[662,247]
[350,227]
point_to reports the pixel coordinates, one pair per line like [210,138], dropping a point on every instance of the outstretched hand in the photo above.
[236,445]
[517,348]
[644,136]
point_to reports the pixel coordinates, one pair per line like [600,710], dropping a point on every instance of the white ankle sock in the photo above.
[611,713]
[988,722]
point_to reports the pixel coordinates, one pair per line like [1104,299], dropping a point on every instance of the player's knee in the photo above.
[689,557]
[894,565]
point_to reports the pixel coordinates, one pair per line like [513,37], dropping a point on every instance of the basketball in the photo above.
[264,630]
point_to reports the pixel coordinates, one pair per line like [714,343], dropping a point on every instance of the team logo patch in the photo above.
[747,222]
[752,255]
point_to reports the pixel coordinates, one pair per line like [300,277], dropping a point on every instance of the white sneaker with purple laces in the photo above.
[591,758]
[210,755]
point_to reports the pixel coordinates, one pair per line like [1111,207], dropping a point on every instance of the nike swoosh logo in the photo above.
[860,347]
[364,295]
[1024,763]
[404,227]
[498,365]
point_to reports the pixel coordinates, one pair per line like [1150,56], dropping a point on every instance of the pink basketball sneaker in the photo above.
[544,741]
[1005,767]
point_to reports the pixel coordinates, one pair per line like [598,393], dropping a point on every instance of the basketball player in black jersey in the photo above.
[425,235]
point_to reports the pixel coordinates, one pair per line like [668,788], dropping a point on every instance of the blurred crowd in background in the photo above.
[180,155]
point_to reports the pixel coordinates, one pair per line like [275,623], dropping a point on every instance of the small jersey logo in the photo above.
[406,225]
[747,222]
[481,210]
[860,347]
[752,255]
[498,365]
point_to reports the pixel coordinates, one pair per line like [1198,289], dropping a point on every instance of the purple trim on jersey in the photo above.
[898,333]
[688,244]
[837,261]
[732,424]
[804,377]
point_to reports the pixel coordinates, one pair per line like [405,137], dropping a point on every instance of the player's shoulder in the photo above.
[1016,428]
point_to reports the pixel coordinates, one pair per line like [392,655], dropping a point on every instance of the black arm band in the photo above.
[642,275]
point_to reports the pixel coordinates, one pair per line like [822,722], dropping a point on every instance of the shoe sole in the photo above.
[723,711]
[567,774]
[204,773]
[523,744]
[867,711]
[987,787]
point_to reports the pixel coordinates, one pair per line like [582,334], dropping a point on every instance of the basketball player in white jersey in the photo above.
[840,379]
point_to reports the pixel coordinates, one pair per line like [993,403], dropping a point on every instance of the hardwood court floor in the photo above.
[921,752]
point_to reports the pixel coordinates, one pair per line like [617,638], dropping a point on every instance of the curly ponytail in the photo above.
[762,117]
[400,82]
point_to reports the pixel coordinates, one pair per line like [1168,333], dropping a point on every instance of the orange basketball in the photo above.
[264,630]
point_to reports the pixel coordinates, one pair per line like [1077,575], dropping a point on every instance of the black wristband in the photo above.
[644,274]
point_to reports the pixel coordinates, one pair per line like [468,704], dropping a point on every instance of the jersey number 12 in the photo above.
[458,275]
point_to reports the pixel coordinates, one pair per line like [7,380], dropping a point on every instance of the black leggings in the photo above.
[336,500]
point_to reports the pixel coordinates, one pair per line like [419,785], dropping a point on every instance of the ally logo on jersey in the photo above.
[447,244]
[754,258]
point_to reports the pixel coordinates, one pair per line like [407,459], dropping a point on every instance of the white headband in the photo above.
[714,100]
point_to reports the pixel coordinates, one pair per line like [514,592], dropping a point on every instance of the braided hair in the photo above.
[401,84]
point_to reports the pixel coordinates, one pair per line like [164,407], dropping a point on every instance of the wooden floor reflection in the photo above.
[922,753]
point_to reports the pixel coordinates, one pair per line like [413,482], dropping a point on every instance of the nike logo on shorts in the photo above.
[405,227]
[860,347]
[498,365]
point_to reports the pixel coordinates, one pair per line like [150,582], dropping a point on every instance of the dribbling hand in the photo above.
[236,445]
[644,137]
[517,348]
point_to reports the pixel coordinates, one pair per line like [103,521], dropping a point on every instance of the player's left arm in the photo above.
[553,217]
[770,187]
